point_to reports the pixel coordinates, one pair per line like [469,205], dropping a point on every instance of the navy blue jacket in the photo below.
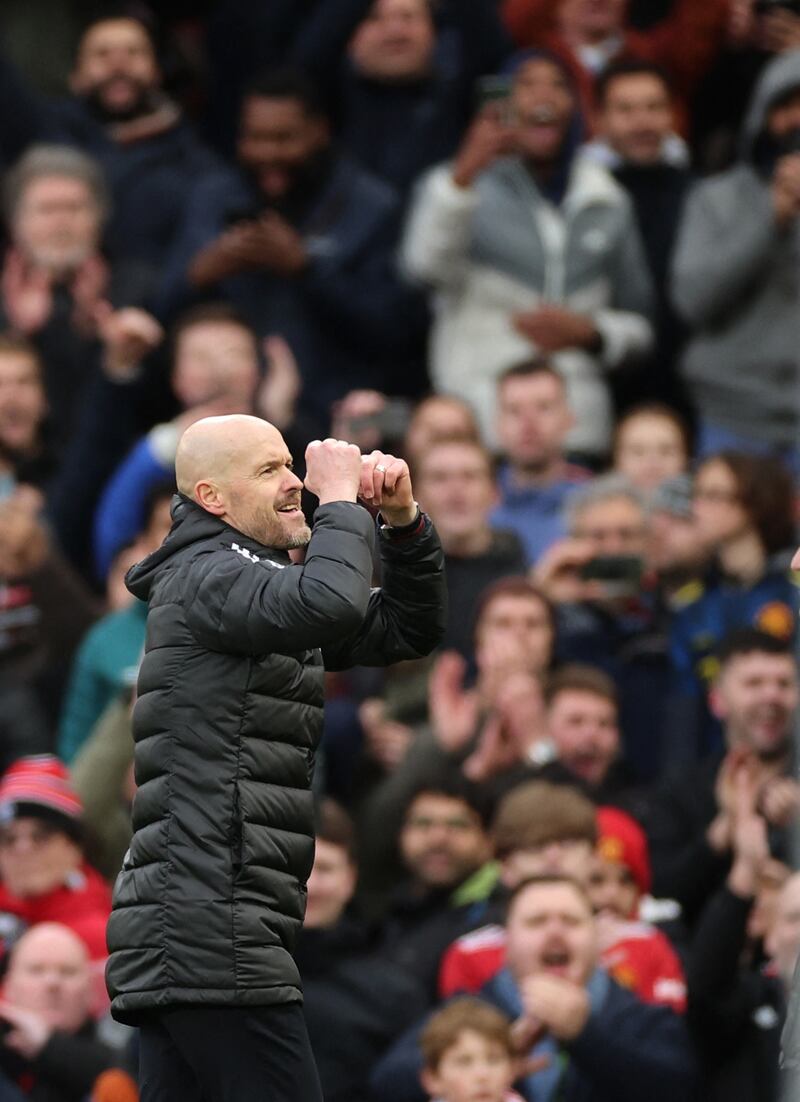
[626,1052]
[148,179]
[349,319]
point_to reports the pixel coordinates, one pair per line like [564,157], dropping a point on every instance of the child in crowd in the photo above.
[651,443]
[468,1052]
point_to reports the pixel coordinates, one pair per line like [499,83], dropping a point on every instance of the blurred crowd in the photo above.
[549,252]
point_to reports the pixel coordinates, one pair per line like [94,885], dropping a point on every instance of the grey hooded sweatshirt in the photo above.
[736,281]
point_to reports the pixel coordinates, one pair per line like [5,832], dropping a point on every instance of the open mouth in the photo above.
[291,509]
[556,961]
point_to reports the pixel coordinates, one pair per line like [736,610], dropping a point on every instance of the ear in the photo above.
[430,1082]
[207,495]
[716,703]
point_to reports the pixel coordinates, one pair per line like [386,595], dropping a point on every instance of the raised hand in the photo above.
[333,470]
[386,483]
[453,711]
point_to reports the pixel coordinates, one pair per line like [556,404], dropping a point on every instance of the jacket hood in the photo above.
[190,524]
[777,80]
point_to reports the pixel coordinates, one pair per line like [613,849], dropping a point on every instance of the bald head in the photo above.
[48,938]
[239,469]
[215,448]
[49,973]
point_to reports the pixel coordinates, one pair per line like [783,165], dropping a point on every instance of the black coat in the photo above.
[355,1004]
[736,1013]
[212,893]
[64,1071]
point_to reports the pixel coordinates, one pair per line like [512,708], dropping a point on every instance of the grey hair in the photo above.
[607,487]
[54,160]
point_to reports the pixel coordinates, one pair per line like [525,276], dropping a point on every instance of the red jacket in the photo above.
[83,903]
[642,960]
[686,43]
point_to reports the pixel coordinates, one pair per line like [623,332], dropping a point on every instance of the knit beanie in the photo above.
[39,787]
[623,842]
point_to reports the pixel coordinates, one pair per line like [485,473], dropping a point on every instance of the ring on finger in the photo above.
[380,467]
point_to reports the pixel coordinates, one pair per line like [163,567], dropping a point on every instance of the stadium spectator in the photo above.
[637,142]
[608,612]
[52,1047]
[479,731]
[355,1002]
[498,300]
[102,773]
[535,479]
[587,1026]
[675,550]
[651,444]
[594,35]
[738,1006]
[582,726]
[735,280]
[108,658]
[743,508]
[45,609]
[25,445]
[404,90]
[44,876]
[81,313]
[455,483]
[445,850]
[120,115]
[301,241]
[543,830]
[691,813]
[438,417]
[468,1050]
[215,370]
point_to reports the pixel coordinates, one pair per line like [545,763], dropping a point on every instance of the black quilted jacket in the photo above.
[229,712]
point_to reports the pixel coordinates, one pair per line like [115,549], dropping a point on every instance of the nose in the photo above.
[293,482]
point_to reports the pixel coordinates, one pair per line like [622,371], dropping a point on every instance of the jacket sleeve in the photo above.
[722,997]
[686,42]
[438,230]
[395,1078]
[685,867]
[365,292]
[87,695]
[720,253]
[121,510]
[406,617]
[625,326]
[636,1052]
[243,607]
[73,1063]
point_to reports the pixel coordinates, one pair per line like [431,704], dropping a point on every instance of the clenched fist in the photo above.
[386,483]
[333,470]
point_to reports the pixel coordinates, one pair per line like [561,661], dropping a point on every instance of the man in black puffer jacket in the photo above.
[212,891]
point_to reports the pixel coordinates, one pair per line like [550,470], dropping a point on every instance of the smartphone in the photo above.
[495,90]
[621,574]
